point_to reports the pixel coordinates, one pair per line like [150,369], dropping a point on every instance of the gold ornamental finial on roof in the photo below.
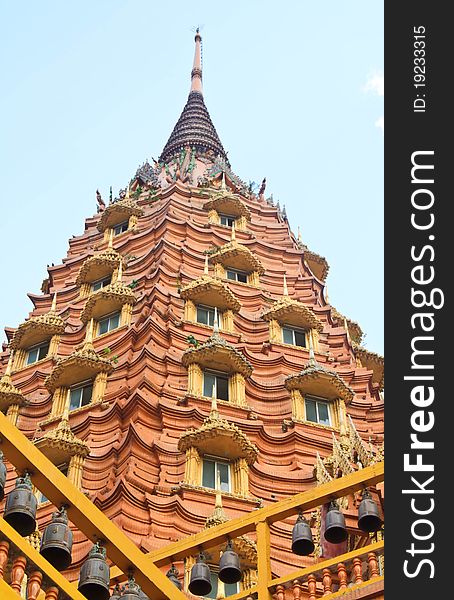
[223,186]
[127,192]
[214,412]
[89,334]
[111,236]
[299,234]
[233,238]
[312,360]
[205,268]
[285,286]
[9,367]
[120,271]
[53,307]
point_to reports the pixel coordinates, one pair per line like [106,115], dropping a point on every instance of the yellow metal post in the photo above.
[263,560]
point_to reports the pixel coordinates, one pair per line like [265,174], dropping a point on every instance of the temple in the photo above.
[183,367]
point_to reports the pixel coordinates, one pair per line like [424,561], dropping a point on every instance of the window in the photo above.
[220,384]
[296,337]
[100,283]
[237,276]
[226,220]
[229,588]
[41,497]
[37,353]
[80,395]
[108,323]
[205,315]
[121,228]
[213,471]
[317,411]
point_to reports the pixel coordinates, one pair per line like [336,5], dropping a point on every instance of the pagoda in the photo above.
[183,365]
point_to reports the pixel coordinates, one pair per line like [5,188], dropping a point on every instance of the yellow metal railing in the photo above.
[126,556]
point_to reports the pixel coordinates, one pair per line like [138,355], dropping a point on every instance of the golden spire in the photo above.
[285,287]
[347,330]
[111,236]
[214,413]
[120,271]
[233,237]
[196,73]
[89,334]
[53,308]
[127,192]
[299,234]
[9,368]
[223,186]
[205,268]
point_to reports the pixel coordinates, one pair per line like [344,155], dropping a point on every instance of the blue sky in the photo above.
[295,90]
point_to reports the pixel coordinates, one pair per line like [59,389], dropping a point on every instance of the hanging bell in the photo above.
[57,541]
[200,582]
[116,593]
[302,543]
[172,575]
[131,590]
[335,530]
[2,477]
[20,508]
[94,578]
[229,566]
[369,519]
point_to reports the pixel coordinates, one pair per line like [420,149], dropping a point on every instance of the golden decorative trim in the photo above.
[317,380]
[237,256]
[37,329]
[107,300]
[118,211]
[61,443]
[373,362]
[103,263]
[287,307]
[218,354]
[212,292]
[10,395]
[354,330]
[228,203]
[317,264]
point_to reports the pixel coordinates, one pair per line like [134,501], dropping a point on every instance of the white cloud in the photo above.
[376,84]
[381,124]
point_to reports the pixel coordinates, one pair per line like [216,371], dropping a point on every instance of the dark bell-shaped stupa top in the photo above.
[194,128]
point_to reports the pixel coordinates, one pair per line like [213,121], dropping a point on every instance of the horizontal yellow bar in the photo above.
[83,513]
[331,562]
[278,511]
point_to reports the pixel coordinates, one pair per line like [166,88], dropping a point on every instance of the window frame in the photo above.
[207,308]
[217,461]
[216,374]
[118,225]
[107,278]
[81,386]
[237,272]
[318,401]
[295,330]
[107,318]
[225,216]
[37,347]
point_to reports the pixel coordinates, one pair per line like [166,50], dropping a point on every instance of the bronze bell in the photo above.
[335,530]
[229,566]
[369,519]
[172,574]
[131,590]
[2,477]
[20,508]
[116,593]
[200,583]
[57,541]
[94,578]
[302,543]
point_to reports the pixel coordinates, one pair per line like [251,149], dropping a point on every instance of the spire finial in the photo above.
[205,268]
[216,321]
[9,366]
[285,287]
[223,186]
[299,234]
[127,192]
[120,271]
[214,413]
[111,236]
[196,73]
[53,307]
[312,360]
[233,238]
[218,503]
[89,334]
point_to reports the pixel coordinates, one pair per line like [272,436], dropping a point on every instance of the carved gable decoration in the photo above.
[106,300]
[212,292]
[99,266]
[81,365]
[292,312]
[217,354]
[9,394]
[373,362]
[37,329]
[317,264]
[60,444]
[117,212]
[237,256]
[319,381]
[228,203]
